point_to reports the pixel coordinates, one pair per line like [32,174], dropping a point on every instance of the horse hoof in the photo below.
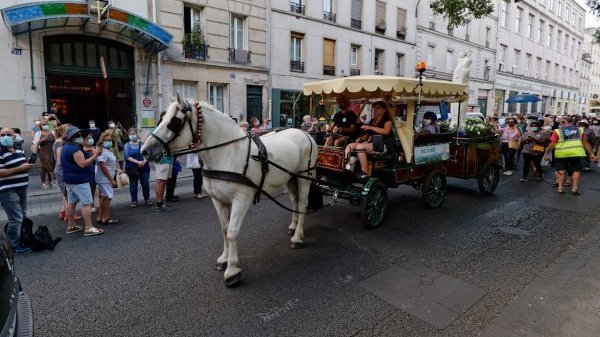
[233,280]
[297,245]
[221,266]
[291,231]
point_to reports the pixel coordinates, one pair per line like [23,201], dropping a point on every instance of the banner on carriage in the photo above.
[431,153]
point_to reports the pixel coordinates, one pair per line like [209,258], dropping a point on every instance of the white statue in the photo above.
[461,75]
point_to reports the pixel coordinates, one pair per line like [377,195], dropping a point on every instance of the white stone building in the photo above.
[593,93]
[313,40]
[539,44]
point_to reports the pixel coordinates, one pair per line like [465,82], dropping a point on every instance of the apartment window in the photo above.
[328,57]
[571,79]
[563,74]
[400,64]
[449,60]
[356,15]
[538,72]
[530,27]
[527,64]
[430,53]
[551,5]
[215,95]
[516,60]
[401,23]
[296,6]
[328,10]
[354,60]
[186,89]
[486,70]
[504,13]
[556,79]
[540,31]
[566,47]
[558,40]
[296,63]
[192,18]
[567,13]
[518,20]
[237,32]
[573,18]
[379,61]
[573,55]
[550,33]
[488,32]
[380,23]
[559,12]
[501,57]
[547,70]
[541,2]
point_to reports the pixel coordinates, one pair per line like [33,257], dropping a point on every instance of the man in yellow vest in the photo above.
[571,146]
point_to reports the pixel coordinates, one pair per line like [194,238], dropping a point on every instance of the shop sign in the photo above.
[77,86]
[147,102]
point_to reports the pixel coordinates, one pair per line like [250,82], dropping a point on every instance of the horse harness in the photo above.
[176,124]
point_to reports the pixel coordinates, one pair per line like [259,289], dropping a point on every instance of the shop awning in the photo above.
[51,15]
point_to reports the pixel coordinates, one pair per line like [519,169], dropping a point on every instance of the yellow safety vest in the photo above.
[570,146]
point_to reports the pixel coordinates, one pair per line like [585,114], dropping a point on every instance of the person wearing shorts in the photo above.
[344,124]
[164,170]
[74,166]
[106,168]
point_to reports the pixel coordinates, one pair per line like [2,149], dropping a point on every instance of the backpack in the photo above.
[42,239]
[26,236]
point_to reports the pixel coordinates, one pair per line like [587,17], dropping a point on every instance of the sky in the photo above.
[590,20]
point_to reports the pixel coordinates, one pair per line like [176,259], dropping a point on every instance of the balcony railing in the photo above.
[401,34]
[200,53]
[357,24]
[329,70]
[329,16]
[354,72]
[239,56]
[297,66]
[297,8]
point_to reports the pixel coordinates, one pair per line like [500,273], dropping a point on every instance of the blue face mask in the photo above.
[107,145]
[91,141]
[79,140]
[45,128]
[7,141]
[133,138]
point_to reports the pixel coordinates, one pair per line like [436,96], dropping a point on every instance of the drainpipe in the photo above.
[31,57]
[158,60]
[269,79]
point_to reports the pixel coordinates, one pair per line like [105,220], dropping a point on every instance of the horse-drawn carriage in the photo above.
[420,160]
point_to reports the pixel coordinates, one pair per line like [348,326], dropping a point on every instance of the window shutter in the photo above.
[328,52]
[380,12]
[357,10]
[401,21]
[186,89]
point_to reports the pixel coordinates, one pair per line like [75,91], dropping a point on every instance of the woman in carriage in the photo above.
[381,124]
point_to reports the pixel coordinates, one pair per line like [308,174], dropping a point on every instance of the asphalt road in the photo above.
[153,274]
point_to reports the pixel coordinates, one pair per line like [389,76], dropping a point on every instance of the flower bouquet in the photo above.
[475,127]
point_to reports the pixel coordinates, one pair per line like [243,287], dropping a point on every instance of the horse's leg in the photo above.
[223,211]
[239,208]
[303,187]
[292,186]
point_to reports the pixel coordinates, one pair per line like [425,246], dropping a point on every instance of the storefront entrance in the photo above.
[78,88]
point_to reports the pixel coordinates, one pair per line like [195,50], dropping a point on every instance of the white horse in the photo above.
[292,149]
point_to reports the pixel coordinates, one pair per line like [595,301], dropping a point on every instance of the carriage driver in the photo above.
[344,124]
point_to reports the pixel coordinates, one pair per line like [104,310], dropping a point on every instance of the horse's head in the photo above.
[171,132]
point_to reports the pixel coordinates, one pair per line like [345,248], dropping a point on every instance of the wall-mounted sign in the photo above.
[147,102]
[148,118]
[16,51]
[71,85]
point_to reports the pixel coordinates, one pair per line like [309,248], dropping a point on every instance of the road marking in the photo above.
[273,313]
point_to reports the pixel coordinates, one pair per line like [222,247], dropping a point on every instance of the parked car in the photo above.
[16,317]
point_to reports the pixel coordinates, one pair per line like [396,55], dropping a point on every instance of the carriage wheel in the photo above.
[488,178]
[374,204]
[434,189]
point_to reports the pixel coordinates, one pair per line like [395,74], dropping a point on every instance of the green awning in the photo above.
[50,15]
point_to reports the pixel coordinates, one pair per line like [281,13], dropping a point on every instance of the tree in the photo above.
[460,12]
[594,6]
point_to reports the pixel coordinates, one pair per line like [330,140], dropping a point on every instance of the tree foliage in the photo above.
[594,6]
[461,12]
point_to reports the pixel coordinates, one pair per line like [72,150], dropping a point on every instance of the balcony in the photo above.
[329,16]
[356,24]
[296,8]
[380,28]
[354,72]
[239,56]
[196,53]
[401,34]
[297,66]
[329,70]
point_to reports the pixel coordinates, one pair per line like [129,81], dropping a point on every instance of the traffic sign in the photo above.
[595,96]
[147,102]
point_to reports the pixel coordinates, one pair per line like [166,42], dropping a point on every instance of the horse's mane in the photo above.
[207,106]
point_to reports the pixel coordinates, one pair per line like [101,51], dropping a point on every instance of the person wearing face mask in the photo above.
[75,176]
[510,142]
[60,133]
[106,169]
[51,120]
[89,146]
[589,134]
[595,142]
[429,126]
[94,130]
[36,132]
[18,139]
[46,157]
[118,133]
[137,168]
[534,144]
[14,179]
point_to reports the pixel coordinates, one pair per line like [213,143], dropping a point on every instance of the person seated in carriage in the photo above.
[380,124]
[344,124]
[429,126]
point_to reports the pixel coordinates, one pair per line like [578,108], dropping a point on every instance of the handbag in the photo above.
[538,148]
[513,144]
[122,180]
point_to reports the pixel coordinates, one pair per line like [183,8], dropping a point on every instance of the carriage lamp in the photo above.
[421,67]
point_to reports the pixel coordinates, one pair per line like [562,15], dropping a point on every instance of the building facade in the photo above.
[441,47]
[315,40]
[593,49]
[539,43]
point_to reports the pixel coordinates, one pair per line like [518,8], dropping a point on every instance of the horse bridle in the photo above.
[176,124]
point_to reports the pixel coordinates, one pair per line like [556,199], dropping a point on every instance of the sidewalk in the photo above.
[49,201]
